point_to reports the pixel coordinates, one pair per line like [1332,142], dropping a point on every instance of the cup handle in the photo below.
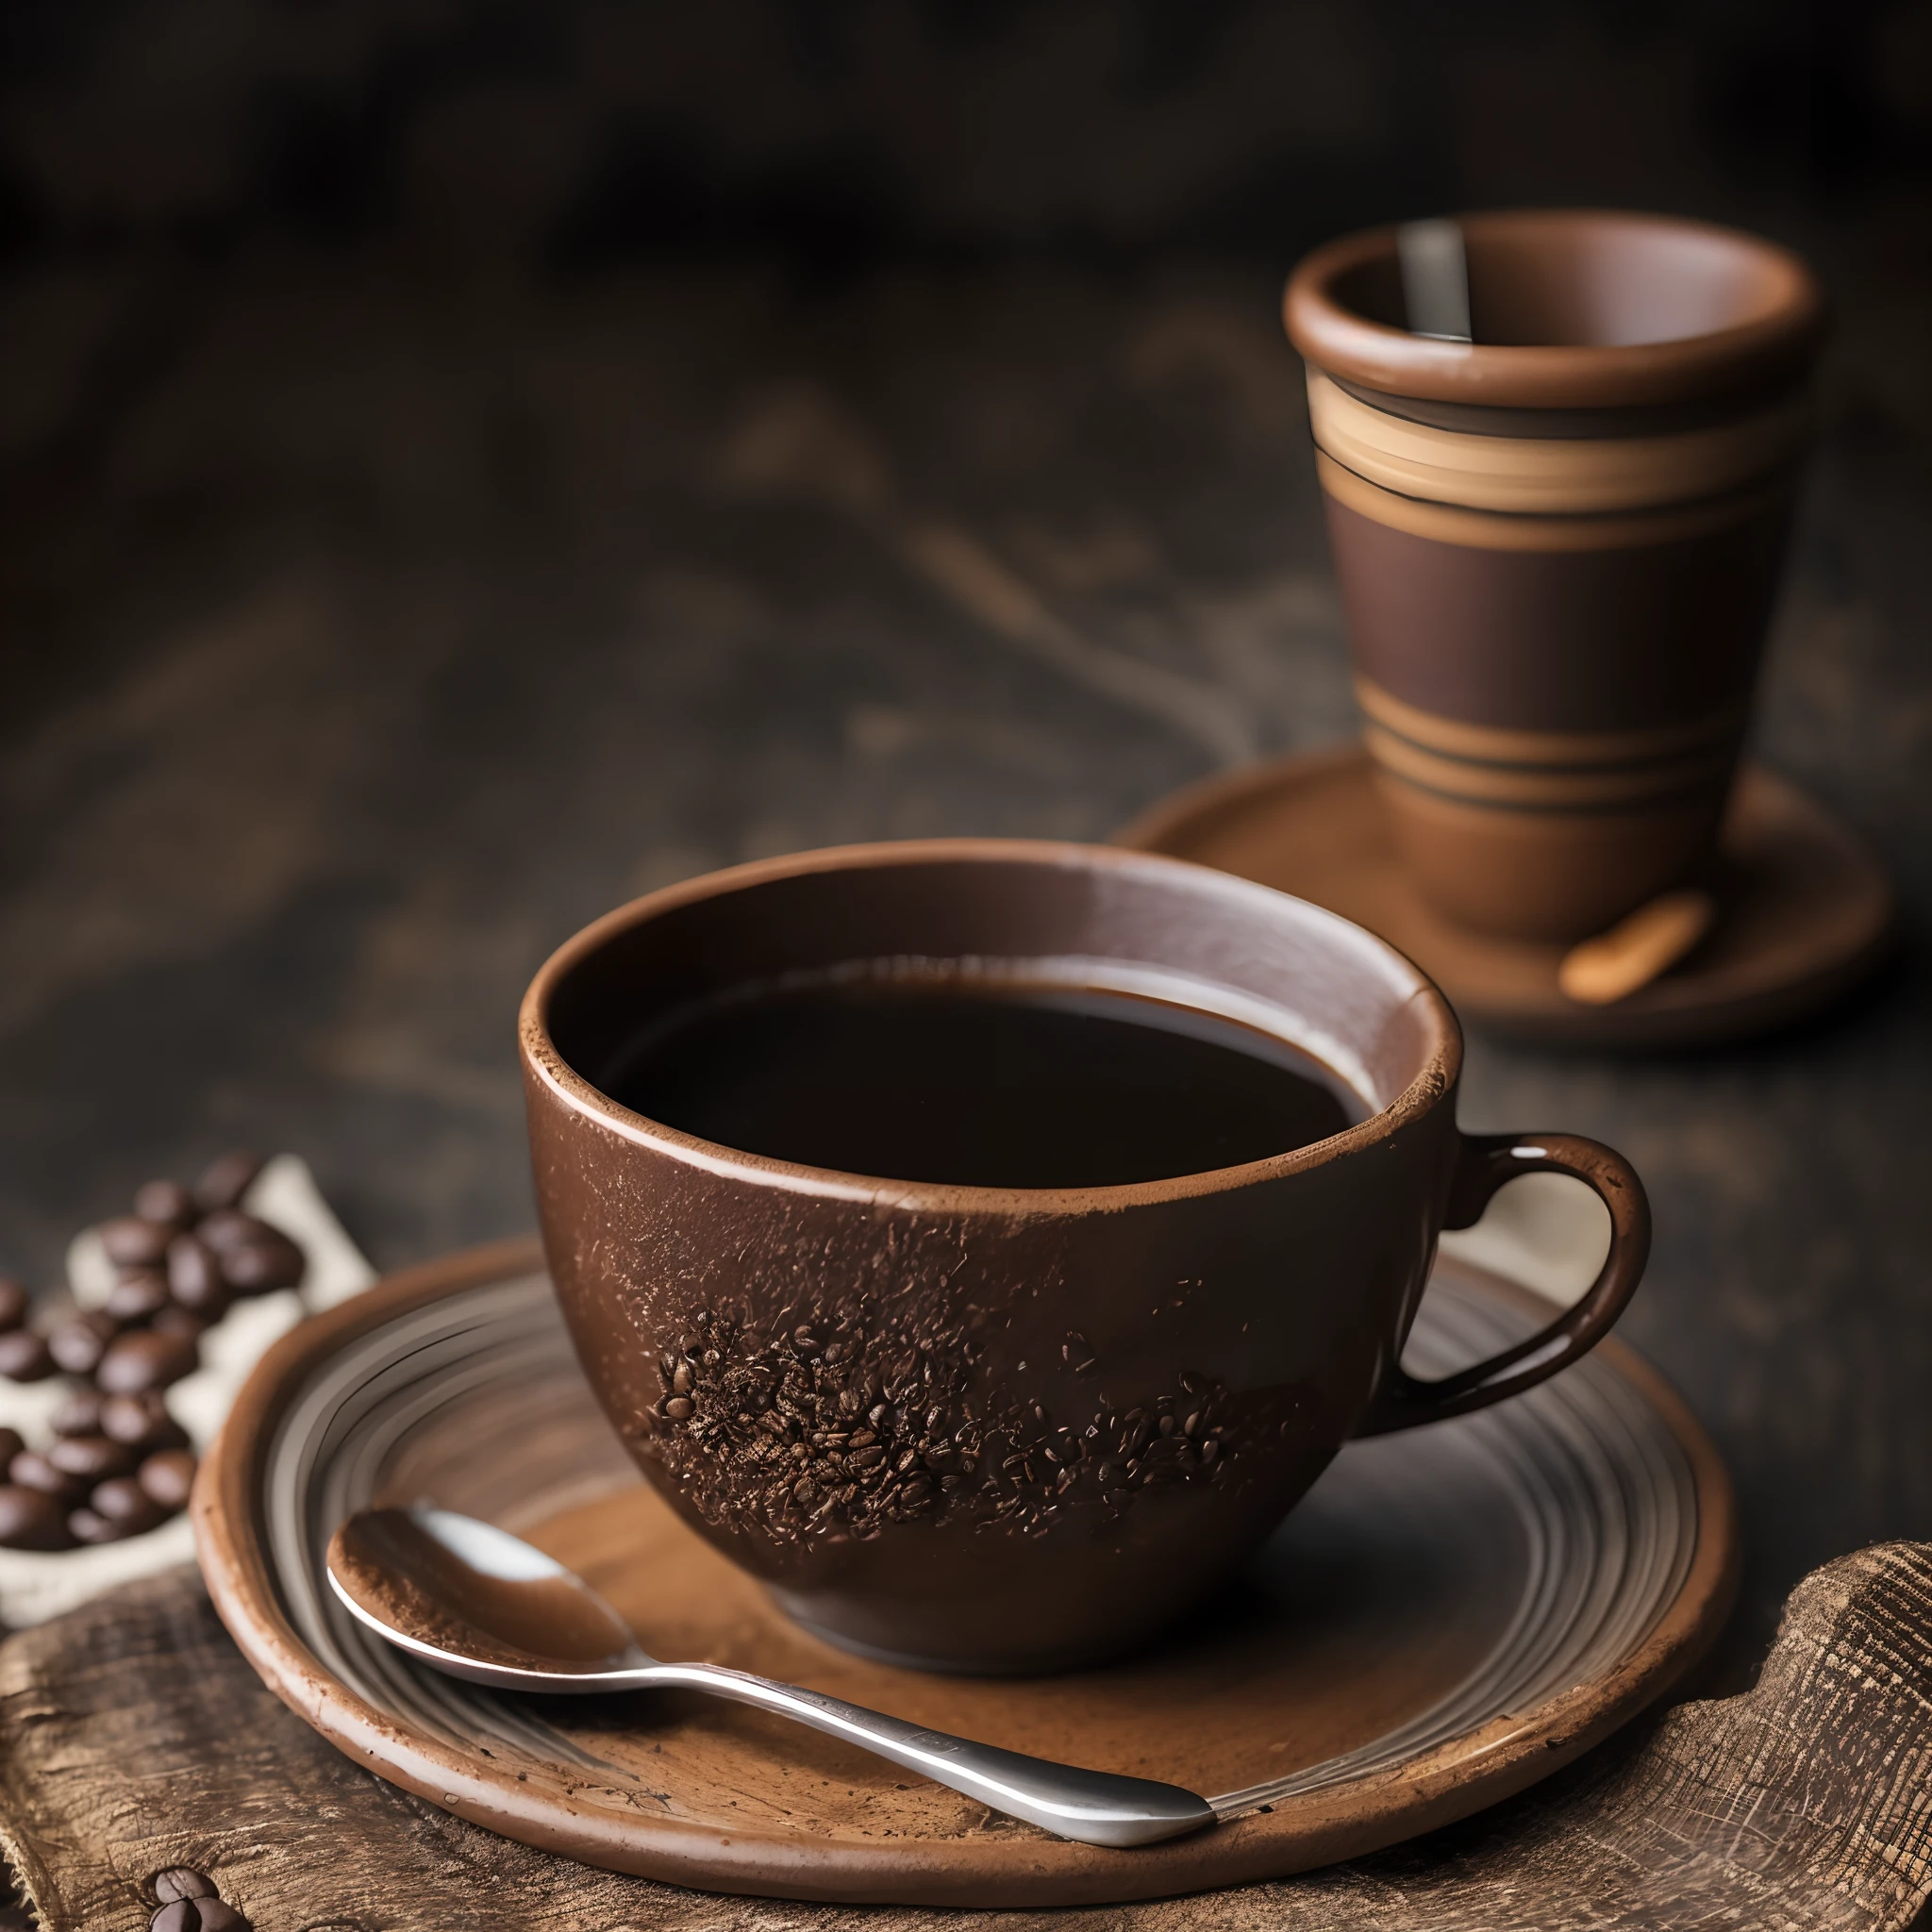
[1485,1163]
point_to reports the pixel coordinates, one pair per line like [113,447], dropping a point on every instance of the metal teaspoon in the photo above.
[478,1603]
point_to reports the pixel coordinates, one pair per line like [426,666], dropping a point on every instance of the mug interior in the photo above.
[1194,940]
[1591,280]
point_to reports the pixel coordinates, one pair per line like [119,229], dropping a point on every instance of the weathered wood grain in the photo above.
[133,1738]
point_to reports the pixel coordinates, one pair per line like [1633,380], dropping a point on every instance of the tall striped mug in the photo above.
[1559,543]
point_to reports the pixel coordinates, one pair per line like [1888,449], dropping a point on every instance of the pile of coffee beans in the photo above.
[118,1463]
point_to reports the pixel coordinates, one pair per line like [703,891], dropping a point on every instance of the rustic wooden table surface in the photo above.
[367,631]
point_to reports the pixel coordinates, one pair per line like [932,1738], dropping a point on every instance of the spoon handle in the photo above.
[1095,1807]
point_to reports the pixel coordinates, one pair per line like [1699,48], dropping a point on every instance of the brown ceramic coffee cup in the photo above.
[1559,544]
[1014,1429]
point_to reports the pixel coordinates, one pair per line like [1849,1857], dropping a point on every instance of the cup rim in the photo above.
[1433,1080]
[1775,346]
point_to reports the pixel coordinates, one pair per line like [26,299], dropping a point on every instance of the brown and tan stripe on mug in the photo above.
[1559,544]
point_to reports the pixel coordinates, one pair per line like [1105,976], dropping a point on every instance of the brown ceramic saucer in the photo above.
[1805,909]
[1451,1613]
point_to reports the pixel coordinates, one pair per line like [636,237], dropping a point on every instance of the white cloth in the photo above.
[36,1584]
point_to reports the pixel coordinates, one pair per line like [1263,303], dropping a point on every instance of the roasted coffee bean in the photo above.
[228,1227]
[23,1357]
[261,1267]
[31,1470]
[147,1358]
[178,1322]
[230,1231]
[133,1242]
[215,1915]
[181,1881]
[139,1295]
[13,1302]
[90,1526]
[78,1343]
[225,1179]
[168,1476]
[142,1421]
[31,1520]
[195,1278]
[681,1379]
[11,1445]
[122,1501]
[679,1408]
[92,1458]
[208,1299]
[165,1201]
[180,1915]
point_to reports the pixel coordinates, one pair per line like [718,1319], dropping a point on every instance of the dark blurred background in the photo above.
[582,138]
[466,465]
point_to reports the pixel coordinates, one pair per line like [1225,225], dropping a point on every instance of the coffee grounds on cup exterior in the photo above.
[836,1428]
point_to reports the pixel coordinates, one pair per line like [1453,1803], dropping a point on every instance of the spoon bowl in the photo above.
[475,1602]
[454,1592]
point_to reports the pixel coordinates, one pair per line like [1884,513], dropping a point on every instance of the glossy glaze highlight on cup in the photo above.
[1559,545]
[1015,1430]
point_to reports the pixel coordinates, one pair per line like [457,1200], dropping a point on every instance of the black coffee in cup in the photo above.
[991,1083]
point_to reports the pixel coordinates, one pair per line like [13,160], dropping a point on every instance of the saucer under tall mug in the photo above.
[1559,544]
